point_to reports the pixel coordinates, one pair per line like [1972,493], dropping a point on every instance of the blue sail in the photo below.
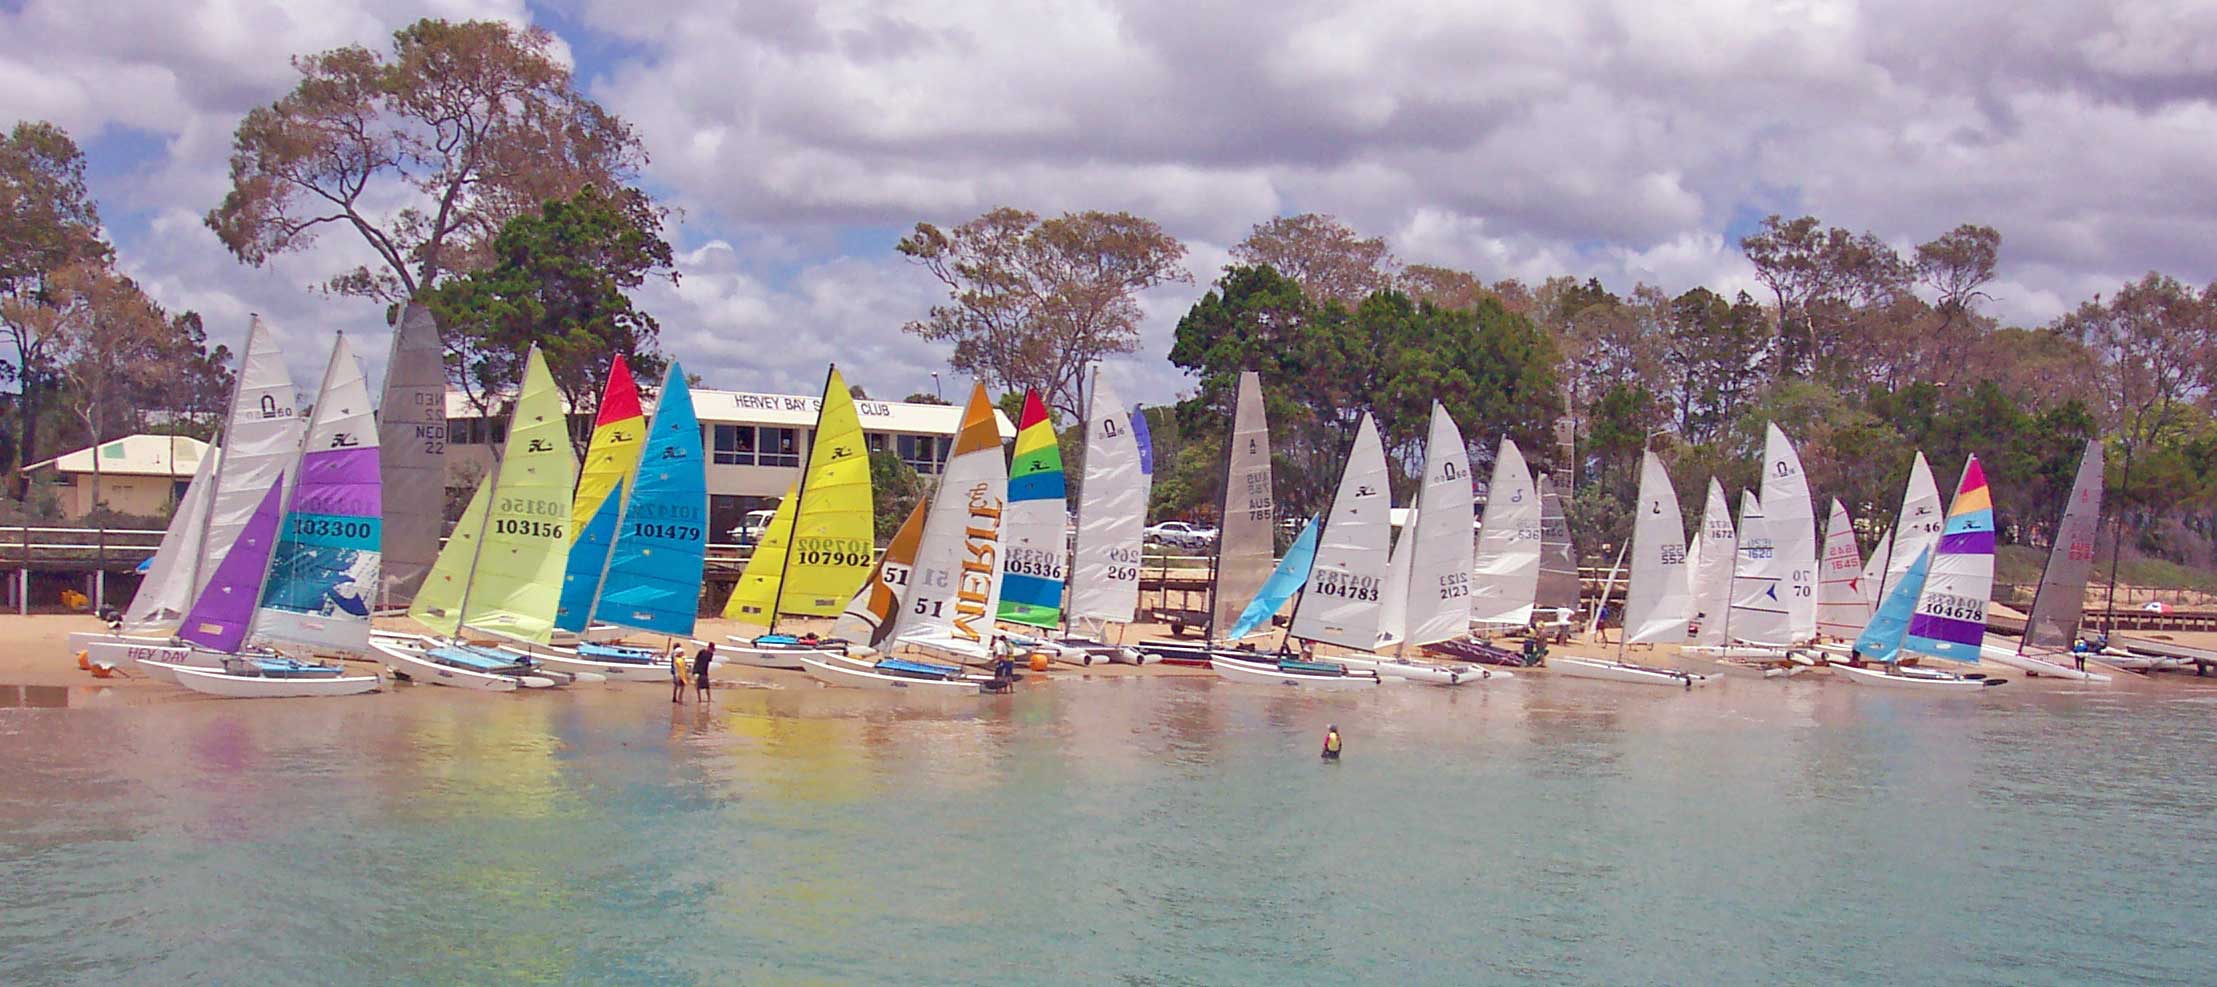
[582,579]
[1284,581]
[654,571]
[1881,638]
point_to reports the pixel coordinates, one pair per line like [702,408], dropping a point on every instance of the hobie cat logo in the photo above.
[344,440]
[538,445]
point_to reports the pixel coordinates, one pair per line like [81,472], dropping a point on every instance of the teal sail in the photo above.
[1881,639]
[582,581]
[654,571]
[1286,580]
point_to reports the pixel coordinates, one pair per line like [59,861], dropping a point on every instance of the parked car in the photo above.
[751,526]
[1181,534]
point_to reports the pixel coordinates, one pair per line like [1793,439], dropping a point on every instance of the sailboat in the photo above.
[1557,590]
[1426,596]
[650,575]
[603,482]
[261,437]
[1841,607]
[501,571]
[1035,555]
[818,545]
[1789,517]
[953,586]
[1712,571]
[1949,619]
[1658,596]
[1247,664]
[1916,528]
[1338,602]
[1245,537]
[1112,514]
[310,581]
[1506,572]
[2051,631]
[411,439]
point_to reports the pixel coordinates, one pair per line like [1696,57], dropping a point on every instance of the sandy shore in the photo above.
[34,651]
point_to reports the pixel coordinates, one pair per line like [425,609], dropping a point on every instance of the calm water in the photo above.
[1128,831]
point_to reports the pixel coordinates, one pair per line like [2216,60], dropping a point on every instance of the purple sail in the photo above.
[219,618]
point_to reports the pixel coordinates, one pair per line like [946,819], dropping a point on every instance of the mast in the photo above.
[1078,514]
[1223,518]
[800,494]
[215,480]
[1729,581]
[623,507]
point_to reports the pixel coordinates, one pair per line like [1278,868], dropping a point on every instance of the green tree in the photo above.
[464,126]
[1034,303]
[48,223]
[559,277]
[895,487]
[1715,355]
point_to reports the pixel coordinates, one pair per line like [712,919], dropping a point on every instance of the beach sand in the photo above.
[34,651]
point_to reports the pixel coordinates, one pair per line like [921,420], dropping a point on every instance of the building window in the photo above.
[734,445]
[874,441]
[922,453]
[724,512]
[778,447]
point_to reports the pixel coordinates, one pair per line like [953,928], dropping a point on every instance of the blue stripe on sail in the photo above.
[1286,580]
[1950,650]
[587,557]
[1035,486]
[1881,639]
[1031,591]
[654,573]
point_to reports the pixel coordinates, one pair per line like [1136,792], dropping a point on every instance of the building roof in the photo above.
[799,410]
[134,455]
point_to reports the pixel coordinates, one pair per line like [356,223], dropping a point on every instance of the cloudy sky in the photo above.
[1625,140]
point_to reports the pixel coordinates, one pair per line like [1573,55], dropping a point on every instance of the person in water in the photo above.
[700,669]
[1331,742]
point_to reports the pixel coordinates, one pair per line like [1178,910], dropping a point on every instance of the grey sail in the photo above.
[1558,587]
[1245,545]
[2061,600]
[411,436]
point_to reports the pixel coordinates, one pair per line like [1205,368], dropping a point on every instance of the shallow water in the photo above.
[1116,831]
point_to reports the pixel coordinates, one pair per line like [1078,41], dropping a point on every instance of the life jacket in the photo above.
[1331,741]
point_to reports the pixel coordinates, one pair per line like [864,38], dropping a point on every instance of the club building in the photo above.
[755,442]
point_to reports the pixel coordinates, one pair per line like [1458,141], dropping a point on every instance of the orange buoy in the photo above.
[1039,661]
[84,660]
[102,671]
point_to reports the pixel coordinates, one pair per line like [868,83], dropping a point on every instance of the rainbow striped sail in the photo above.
[611,467]
[1032,567]
[1950,620]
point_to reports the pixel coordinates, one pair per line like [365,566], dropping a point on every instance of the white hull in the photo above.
[1919,680]
[2038,667]
[1741,651]
[84,640]
[1114,654]
[153,661]
[219,683]
[613,671]
[1615,671]
[742,651]
[2140,661]
[1236,670]
[408,659]
[840,672]
[1430,673]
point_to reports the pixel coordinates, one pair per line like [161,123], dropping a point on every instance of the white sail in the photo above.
[955,589]
[1507,573]
[1918,526]
[411,439]
[167,589]
[1245,544]
[1758,614]
[1339,604]
[1655,602]
[1112,514]
[260,439]
[1438,607]
[1712,570]
[1393,597]
[1841,611]
[1791,520]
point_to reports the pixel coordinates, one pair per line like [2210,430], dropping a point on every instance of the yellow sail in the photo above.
[835,527]
[438,604]
[758,582]
[517,581]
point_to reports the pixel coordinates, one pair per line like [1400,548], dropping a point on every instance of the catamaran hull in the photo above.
[84,640]
[1428,673]
[2037,667]
[409,660]
[216,682]
[1096,650]
[743,651]
[1189,653]
[1236,670]
[842,673]
[613,671]
[153,661]
[1612,671]
[1916,680]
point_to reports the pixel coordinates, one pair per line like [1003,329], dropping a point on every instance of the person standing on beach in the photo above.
[677,673]
[1331,742]
[1601,624]
[700,669]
